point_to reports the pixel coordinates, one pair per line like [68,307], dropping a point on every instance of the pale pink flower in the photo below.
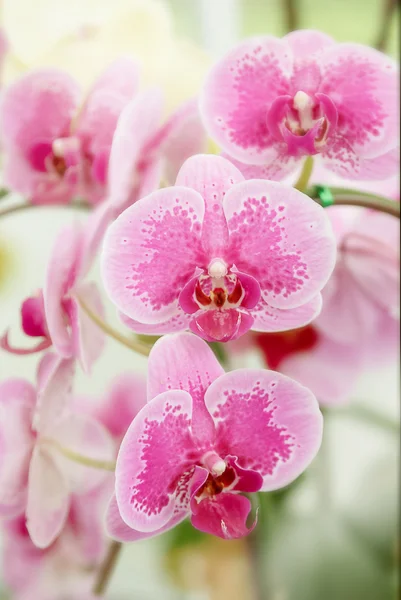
[364,288]
[219,255]
[358,327]
[56,145]
[270,102]
[55,314]
[204,437]
[36,425]
[66,569]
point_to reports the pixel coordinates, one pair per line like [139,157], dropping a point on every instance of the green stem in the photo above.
[343,197]
[388,11]
[305,175]
[104,465]
[132,344]
[107,568]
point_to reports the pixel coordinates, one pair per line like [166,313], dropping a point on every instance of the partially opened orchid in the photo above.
[39,434]
[246,255]
[205,438]
[270,102]
[56,315]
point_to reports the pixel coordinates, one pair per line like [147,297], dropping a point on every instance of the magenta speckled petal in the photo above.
[364,86]
[139,272]
[153,469]
[224,515]
[117,529]
[62,272]
[137,123]
[267,318]
[270,422]
[48,499]
[17,402]
[340,158]
[237,95]
[211,176]
[184,362]
[282,238]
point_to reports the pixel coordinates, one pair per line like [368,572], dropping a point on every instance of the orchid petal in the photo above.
[138,271]
[270,422]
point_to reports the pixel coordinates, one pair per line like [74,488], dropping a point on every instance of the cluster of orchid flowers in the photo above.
[231,250]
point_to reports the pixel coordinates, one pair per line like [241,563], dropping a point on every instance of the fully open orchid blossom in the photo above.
[204,438]
[270,102]
[55,314]
[66,568]
[218,255]
[38,432]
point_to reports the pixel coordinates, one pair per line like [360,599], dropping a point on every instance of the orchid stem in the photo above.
[342,197]
[79,458]
[132,344]
[389,7]
[27,205]
[107,568]
[305,175]
[291,10]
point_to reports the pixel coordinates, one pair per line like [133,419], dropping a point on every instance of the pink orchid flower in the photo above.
[270,102]
[66,568]
[55,314]
[358,326]
[36,426]
[57,147]
[204,438]
[363,290]
[219,255]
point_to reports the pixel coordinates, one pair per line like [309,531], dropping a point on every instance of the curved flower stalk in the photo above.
[38,431]
[206,437]
[66,568]
[270,102]
[55,315]
[218,255]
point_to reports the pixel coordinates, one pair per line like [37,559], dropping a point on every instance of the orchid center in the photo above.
[218,289]
[221,477]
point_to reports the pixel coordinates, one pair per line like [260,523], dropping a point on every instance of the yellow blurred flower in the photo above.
[6,265]
[83,36]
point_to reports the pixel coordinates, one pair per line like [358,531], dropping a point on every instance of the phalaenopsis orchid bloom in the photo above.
[38,430]
[57,147]
[247,254]
[270,102]
[55,315]
[204,438]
